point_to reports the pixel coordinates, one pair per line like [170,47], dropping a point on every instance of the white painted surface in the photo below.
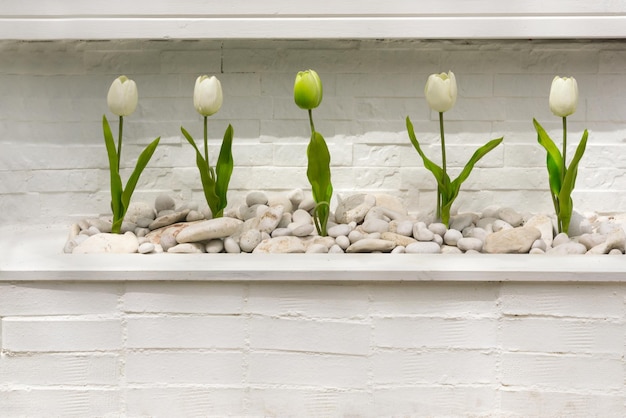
[134,336]
[53,163]
[146,348]
[284,19]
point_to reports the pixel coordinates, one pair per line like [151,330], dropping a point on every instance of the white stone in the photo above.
[307,204]
[187,248]
[280,200]
[469,243]
[452,236]
[138,210]
[477,232]
[367,245]
[146,248]
[390,202]
[539,244]
[579,225]
[301,217]
[404,227]
[164,202]
[231,246]
[560,239]
[108,243]
[302,230]
[423,248]
[499,225]
[567,249]
[511,241]
[249,240]
[338,230]
[281,232]
[270,218]
[296,196]
[399,250]
[281,245]
[194,215]
[353,208]
[510,216]
[335,249]
[375,225]
[463,220]
[214,246]
[355,236]
[317,249]
[438,228]
[169,219]
[544,224]
[591,240]
[397,239]
[449,249]
[422,233]
[342,241]
[256,198]
[209,229]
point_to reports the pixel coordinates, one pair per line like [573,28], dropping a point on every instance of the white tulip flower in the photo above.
[441,91]
[207,95]
[122,97]
[563,96]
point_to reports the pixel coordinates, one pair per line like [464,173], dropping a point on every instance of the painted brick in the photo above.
[434,333]
[438,367]
[308,369]
[27,299]
[308,300]
[582,301]
[184,368]
[60,369]
[184,297]
[535,402]
[434,400]
[562,372]
[314,402]
[34,402]
[446,300]
[184,401]
[185,332]
[51,335]
[561,336]
[330,337]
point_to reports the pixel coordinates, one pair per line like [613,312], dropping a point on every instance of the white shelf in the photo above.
[288,19]
[35,254]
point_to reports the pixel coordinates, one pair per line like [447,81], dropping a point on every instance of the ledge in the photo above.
[35,255]
[286,19]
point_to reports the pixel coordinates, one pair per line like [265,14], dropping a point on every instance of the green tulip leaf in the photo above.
[437,171]
[569,182]
[554,160]
[478,154]
[142,162]
[116,181]
[224,169]
[206,176]
[318,173]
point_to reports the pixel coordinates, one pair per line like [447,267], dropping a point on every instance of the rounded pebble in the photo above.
[256,198]
[231,246]
[146,248]
[342,241]
[423,248]
[338,230]
[164,202]
[452,236]
[469,243]
[249,240]
[438,228]
[214,246]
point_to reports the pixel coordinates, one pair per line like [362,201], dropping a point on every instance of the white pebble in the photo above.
[342,241]
[317,248]
[146,248]
[438,228]
[214,246]
[231,246]
[452,236]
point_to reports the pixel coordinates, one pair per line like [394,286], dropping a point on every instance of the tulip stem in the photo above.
[311,121]
[443,151]
[564,142]
[119,143]
[206,143]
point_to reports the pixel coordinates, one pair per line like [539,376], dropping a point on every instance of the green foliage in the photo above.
[449,190]
[215,181]
[120,196]
[318,172]
[562,178]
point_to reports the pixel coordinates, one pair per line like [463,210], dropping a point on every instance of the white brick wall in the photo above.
[53,164]
[294,349]
[276,349]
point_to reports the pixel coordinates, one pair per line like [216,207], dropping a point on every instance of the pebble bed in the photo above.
[360,223]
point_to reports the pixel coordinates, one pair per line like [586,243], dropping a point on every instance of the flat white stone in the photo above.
[510,216]
[544,224]
[397,239]
[369,245]
[146,248]
[187,248]
[269,220]
[209,229]
[353,208]
[511,241]
[469,243]
[375,225]
[338,230]
[249,240]
[108,243]
[214,246]
[423,248]
[567,248]
[282,245]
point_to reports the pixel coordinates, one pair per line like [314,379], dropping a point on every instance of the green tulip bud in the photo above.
[207,95]
[122,97]
[441,91]
[307,90]
[563,96]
